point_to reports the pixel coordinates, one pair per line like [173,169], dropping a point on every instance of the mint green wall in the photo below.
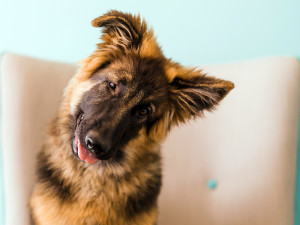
[191,32]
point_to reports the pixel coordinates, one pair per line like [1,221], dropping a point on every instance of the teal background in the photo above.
[191,32]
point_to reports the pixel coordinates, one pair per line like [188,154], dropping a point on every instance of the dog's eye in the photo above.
[144,111]
[112,85]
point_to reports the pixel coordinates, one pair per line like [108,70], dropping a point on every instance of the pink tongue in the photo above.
[85,155]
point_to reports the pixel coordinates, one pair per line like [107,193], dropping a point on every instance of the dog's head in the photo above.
[127,88]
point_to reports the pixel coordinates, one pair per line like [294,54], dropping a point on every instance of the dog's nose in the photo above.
[93,143]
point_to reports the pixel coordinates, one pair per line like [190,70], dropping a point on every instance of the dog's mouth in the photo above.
[78,150]
[82,153]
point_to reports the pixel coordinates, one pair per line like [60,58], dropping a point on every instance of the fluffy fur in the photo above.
[117,109]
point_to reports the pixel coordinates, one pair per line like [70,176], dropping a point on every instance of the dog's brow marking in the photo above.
[112,75]
[119,75]
[126,75]
[100,77]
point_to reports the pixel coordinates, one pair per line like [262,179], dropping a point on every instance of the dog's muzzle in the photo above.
[93,148]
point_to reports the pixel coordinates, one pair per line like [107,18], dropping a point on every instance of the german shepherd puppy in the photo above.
[101,163]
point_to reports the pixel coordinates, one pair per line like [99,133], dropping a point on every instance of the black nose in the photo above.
[94,143]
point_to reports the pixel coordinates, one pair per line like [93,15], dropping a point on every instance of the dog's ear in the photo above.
[192,92]
[121,29]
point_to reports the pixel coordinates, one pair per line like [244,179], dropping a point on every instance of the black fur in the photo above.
[52,177]
[145,198]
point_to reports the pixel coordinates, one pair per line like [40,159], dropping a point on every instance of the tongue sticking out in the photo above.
[85,155]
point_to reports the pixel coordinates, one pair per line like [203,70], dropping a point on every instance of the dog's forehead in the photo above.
[137,70]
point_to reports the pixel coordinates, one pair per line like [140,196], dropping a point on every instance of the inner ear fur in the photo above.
[121,28]
[192,92]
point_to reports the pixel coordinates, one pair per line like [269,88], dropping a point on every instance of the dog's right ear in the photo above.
[121,29]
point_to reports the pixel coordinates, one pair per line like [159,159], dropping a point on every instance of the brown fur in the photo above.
[122,188]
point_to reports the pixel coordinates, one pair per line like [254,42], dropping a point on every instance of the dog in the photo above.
[100,163]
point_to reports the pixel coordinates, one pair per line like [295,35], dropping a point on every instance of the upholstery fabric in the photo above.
[31,90]
[236,166]
[248,146]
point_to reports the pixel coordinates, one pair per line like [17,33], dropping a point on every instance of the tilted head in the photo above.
[127,89]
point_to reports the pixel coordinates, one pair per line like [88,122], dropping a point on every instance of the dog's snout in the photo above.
[95,144]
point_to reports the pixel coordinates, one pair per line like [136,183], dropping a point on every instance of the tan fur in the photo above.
[70,191]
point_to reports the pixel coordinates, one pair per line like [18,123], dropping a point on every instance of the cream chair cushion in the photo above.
[31,90]
[247,148]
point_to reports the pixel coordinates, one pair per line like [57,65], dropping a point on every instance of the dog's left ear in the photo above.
[192,92]
[121,28]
